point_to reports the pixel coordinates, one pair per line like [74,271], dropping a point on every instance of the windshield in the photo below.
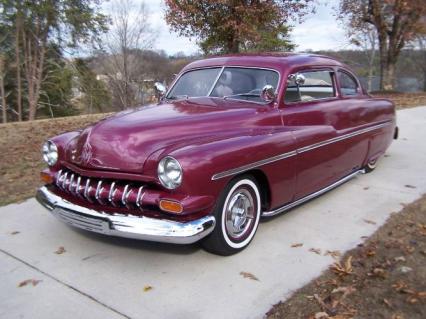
[230,82]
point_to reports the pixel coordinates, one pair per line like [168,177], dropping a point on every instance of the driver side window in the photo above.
[309,86]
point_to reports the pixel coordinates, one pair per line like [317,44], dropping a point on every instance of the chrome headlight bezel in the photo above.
[170,172]
[50,153]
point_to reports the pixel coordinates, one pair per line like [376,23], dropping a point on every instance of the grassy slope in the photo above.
[20,145]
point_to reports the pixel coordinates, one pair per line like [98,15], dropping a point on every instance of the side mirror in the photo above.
[268,93]
[298,78]
[160,89]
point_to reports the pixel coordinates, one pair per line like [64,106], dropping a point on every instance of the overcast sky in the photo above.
[319,31]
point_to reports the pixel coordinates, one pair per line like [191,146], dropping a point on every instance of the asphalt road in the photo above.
[100,277]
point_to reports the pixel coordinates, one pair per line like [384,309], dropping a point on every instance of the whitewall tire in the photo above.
[237,215]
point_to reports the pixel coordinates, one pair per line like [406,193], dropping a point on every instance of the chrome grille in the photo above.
[101,191]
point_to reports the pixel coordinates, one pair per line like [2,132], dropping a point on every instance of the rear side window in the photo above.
[309,86]
[348,85]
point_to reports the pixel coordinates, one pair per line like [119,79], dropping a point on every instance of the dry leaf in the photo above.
[412,300]
[410,186]
[147,288]
[321,315]
[379,272]
[60,250]
[387,303]
[333,253]
[15,232]
[321,302]
[315,250]
[248,275]
[296,245]
[34,282]
[343,269]
[371,252]
[398,286]
[368,221]
[421,294]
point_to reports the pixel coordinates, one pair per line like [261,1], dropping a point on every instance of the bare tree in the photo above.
[366,38]
[397,23]
[130,33]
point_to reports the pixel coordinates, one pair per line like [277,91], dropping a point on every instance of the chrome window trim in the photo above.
[195,69]
[334,86]
[222,68]
[304,149]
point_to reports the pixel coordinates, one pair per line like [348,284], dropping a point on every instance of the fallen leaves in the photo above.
[343,269]
[60,250]
[296,245]
[249,275]
[26,282]
[147,288]
[333,253]
[329,305]
[410,186]
[368,221]
[315,250]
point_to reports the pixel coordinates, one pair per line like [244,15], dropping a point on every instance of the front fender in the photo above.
[201,162]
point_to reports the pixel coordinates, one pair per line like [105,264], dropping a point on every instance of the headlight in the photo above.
[169,172]
[50,153]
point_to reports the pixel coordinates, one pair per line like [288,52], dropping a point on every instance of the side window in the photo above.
[348,85]
[309,86]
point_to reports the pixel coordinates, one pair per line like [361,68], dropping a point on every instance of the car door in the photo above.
[320,124]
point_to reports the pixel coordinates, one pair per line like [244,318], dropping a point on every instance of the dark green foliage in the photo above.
[95,96]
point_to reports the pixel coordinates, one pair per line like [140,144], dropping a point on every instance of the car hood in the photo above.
[124,141]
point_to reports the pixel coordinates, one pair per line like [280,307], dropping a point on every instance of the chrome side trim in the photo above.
[129,226]
[312,196]
[341,138]
[253,165]
[295,152]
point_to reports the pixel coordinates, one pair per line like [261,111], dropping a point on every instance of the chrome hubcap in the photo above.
[240,214]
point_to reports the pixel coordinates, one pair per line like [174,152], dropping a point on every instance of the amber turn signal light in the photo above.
[46,178]
[171,206]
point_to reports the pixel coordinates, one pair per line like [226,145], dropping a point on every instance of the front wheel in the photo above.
[237,217]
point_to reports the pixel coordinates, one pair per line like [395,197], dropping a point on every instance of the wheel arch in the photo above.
[264,186]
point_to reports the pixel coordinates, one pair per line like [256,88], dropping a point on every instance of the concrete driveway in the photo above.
[99,277]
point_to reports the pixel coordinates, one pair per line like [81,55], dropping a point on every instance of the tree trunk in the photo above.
[388,77]
[424,69]
[3,100]
[18,67]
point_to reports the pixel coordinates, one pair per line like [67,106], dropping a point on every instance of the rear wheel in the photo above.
[237,217]
[371,166]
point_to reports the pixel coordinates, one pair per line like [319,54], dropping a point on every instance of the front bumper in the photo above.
[144,228]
